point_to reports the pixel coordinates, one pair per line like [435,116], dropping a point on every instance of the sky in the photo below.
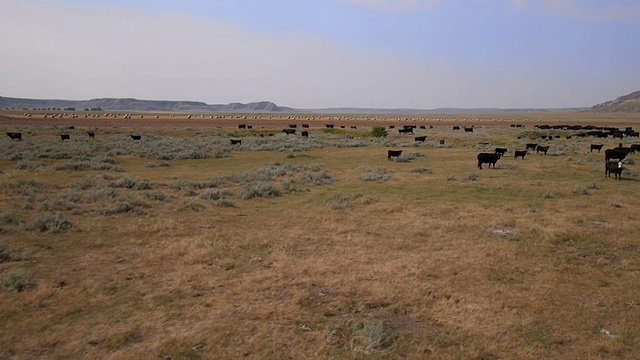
[312,54]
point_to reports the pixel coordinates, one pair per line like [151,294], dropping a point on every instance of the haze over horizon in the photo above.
[420,54]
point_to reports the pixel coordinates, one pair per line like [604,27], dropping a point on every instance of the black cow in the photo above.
[617,153]
[329,126]
[441,142]
[501,151]
[634,148]
[304,134]
[595,147]
[293,126]
[71,127]
[422,127]
[405,131]
[488,158]
[242,126]
[520,153]
[531,146]
[235,142]
[15,136]
[65,137]
[91,134]
[136,137]
[543,149]
[393,153]
[249,126]
[456,127]
[306,126]
[614,167]
[468,129]
[289,131]
[354,127]
[420,138]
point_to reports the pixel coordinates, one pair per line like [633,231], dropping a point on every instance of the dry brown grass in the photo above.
[511,263]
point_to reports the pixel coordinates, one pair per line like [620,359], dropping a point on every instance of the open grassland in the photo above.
[184,246]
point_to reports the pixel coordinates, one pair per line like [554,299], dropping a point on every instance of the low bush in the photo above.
[260,189]
[15,280]
[51,222]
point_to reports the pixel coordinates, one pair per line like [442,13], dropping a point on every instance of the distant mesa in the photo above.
[627,103]
[111,104]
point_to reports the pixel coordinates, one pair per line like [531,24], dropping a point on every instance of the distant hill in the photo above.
[108,104]
[626,103]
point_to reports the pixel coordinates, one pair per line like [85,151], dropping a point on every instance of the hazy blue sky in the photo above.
[324,53]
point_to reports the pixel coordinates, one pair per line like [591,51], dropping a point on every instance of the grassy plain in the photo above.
[183,246]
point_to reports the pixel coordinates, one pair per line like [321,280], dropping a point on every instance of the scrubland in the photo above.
[183,246]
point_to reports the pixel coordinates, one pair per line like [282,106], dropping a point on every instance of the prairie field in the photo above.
[183,246]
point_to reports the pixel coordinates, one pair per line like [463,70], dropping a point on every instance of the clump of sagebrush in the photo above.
[29,165]
[593,185]
[152,164]
[374,174]
[259,189]
[317,178]
[193,205]
[4,256]
[471,177]
[15,280]
[342,201]
[450,178]
[156,195]
[548,195]
[121,207]
[213,195]
[51,222]
[224,203]
[420,170]
[10,217]
[580,190]
[132,184]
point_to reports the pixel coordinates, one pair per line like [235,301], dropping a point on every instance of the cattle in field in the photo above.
[15,136]
[354,127]
[531,146]
[420,138]
[292,126]
[617,153]
[136,137]
[64,137]
[422,127]
[405,131]
[488,158]
[634,148]
[289,131]
[520,153]
[392,126]
[242,126]
[235,142]
[595,147]
[456,127]
[441,142]
[306,126]
[614,167]
[501,151]
[304,134]
[468,129]
[393,153]
[329,126]
[542,149]
[91,134]
[71,127]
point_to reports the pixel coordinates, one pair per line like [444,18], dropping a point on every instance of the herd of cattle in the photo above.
[613,157]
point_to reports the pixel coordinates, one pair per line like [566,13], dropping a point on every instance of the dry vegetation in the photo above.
[183,246]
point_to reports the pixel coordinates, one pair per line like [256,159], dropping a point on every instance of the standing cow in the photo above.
[488,158]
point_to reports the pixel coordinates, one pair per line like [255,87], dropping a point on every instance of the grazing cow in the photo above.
[293,126]
[520,153]
[422,127]
[543,149]
[456,127]
[501,151]
[354,127]
[235,142]
[91,134]
[595,147]
[304,134]
[306,126]
[342,126]
[441,142]
[634,148]
[393,153]
[405,131]
[531,146]
[617,153]
[488,158]
[15,136]
[392,126]
[614,167]
[242,126]
[468,129]
[65,137]
[289,131]
[249,126]
[136,137]
[329,126]
[71,127]
[420,138]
